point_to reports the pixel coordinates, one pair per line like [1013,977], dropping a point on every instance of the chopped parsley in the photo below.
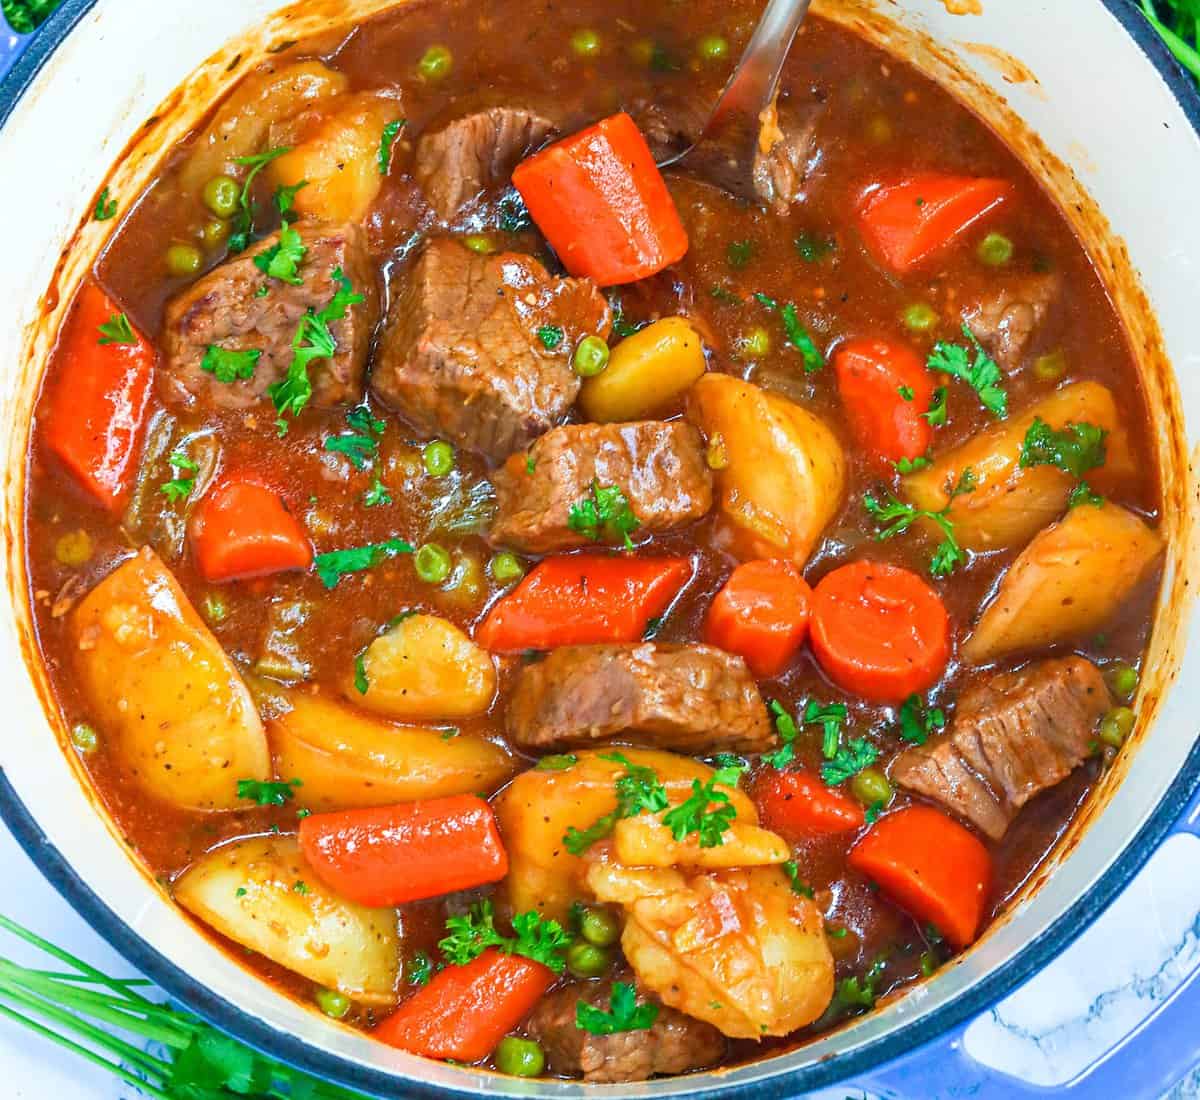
[387,139]
[895,517]
[361,683]
[469,935]
[906,393]
[300,887]
[848,761]
[830,718]
[267,794]
[117,330]
[620,326]
[797,334]
[285,200]
[859,992]
[336,564]
[243,220]
[106,208]
[936,415]
[1075,450]
[812,249]
[605,513]
[377,494]
[230,364]
[798,886]
[624,1013]
[1083,493]
[551,336]
[514,218]
[918,722]
[740,253]
[363,443]
[557,762]
[180,488]
[420,970]
[638,791]
[911,465]
[694,815]
[530,464]
[980,373]
[283,259]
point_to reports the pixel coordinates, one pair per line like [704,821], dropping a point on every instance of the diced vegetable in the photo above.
[344,758]
[425,667]
[97,407]
[885,391]
[583,599]
[784,477]
[243,529]
[280,653]
[262,894]
[391,855]
[909,220]
[337,159]
[797,805]
[538,807]
[1010,503]
[600,201]
[932,866]
[879,631]
[1067,583]
[646,373]
[163,691]
[644,841]
[761,614]
[520,1057]
[465,1011]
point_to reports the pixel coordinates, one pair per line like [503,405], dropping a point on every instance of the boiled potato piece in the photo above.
[1009,505]
[645,841]
[782,472]
[1066,583]
[161,687]
[346,759]
[645,373]
[262,894]
[537,808]
[739,949]
[241,126]
[337,158]
[424,667]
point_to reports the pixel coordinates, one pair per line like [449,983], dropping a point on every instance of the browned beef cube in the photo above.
[1005,318]
[465,351]
[785,156]
[1015,735]
[225,309]
[658,466]
[471,155]
[674,1044]
[690,698]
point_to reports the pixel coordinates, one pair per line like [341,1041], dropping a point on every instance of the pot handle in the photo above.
[1148,1061]
[12,45]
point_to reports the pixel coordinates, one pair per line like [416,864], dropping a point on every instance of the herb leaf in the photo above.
[377,494]
[361,684]
[1078,448]
[180,488]
[363,444]
[468,936]
[981,373]
[605,512]
[917,723]
[895,517]
[624,1013]
[230,364]
[792,870]
[243,220]
[740,253]
[105,207]
[282,260]
[390,132]
[117,330]
[267,794]
[694,815]
[785,726]
[849,761]
[638,791]
[550,336]
[797,334]
[331,567]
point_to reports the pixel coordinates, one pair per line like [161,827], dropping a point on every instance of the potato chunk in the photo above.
[424,667]
[537,808]
[645,841]
[160,685]
[780,471]
[739,949]
[1009,505]
[262,894]
[1066,583]
[346,759]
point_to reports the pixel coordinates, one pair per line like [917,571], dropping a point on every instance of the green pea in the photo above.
[1116,725]
[438,458]
[221,196]
[432,563]
[519,1057]
[586,42]
[919,317]
[591,357]
[1123,679]
[84,737]
[995,250]
[756,343]
[712,47]
[214,607]
[332,1003]
[587,960]
[73,549]
[214,231]
[506,567]
[599,927]
[871,786]
[1050,367]
[436,63]
[184,259]
[481,243]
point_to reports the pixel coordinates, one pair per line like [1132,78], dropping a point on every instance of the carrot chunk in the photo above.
[243,529]
[761,614]
[885,391]
[796,804]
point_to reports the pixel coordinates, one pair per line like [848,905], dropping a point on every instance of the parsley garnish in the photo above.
[848,761]
[797,334]
[1083,493]
[798,886]
[605,513]
[377,494]
[785,726]
[694,815]
[243,220]
[551,336]
[917,722]
[830,718]
[1076,449]
[624,1014]
[638,791]
[873,812]
[557,762]
[361,683]
[740,253]
[390,132]
[229,364]
[981,374]
[420,971]
[105,207]
[266,794]
[117,330]
[282,260]
[285,200]
[514,218]
[300,887]
[336,564]
[906,393]
[620,326]
[364,443]
[911,465]
[812,249]
[896,517]
[468,936]
[937,408]
[181,487]
[860,992]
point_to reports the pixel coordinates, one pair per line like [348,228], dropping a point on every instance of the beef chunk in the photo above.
[473,154]
[658,466]
[690,698]
[225,309]
[1005,317]
[672,122]
[674,1044]
[461,354]
[1014,735]
[785,155]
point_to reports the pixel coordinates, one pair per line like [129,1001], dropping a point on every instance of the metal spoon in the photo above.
[725,151]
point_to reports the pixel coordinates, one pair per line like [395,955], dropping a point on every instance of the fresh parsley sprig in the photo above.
[797,335]
[919,722]
[695,815]
[363,442]
[980,372]
[624,1013]
[230,364]
[1076,449]
[639,790]
[243,219]
[894,517]
[117,330]
[388,138]
[283,259]
[848,761]
[334,565]
[605,512]
[830,718]
[267,794]
[180,488]
[105,208]
[535,937]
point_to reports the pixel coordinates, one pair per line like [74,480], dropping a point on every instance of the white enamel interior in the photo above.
[1101,107]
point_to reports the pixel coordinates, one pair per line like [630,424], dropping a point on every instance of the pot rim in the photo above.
[904,1040]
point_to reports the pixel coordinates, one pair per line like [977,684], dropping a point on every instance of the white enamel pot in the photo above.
[1086,94]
